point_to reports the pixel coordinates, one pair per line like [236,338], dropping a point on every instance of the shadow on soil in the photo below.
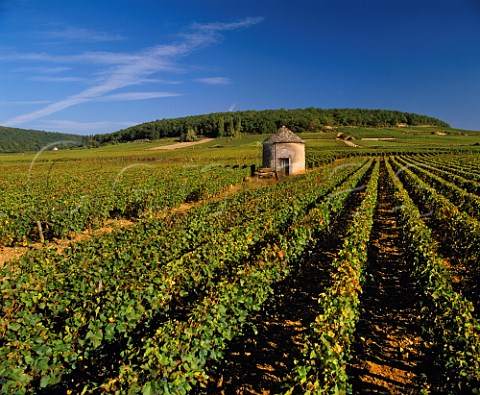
[260,361]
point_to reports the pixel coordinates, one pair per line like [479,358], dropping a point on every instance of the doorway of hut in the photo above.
[284,166]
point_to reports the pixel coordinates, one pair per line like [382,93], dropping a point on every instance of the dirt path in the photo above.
[389,353]
[9,253]
[349,143]
[259,363]
[181,145]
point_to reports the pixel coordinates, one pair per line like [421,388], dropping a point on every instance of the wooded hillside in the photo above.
[23,140]
[267,121]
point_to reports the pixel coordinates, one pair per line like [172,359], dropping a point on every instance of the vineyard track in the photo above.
[261,363]
[181,144]
[390,356]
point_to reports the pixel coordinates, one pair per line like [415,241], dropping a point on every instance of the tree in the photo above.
[153,134]
[314,125]
[189,136]
[221,127]
[266,121]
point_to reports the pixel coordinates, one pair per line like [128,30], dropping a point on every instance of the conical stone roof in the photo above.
[283,135]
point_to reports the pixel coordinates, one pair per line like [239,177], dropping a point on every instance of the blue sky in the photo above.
[97,66]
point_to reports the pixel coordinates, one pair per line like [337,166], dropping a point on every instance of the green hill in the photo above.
[265,122]
[23,140]
[359,122]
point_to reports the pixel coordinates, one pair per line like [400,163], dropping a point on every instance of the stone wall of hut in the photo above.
[274,153]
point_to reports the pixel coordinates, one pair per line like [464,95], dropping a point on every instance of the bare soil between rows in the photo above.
[390,355]
[260,361]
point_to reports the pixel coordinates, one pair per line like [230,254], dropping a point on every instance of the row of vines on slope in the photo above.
[448,318]
[457,229]
[60,310]
[178,352]
[74,202]
[327,346]
[152,308]
[466,201]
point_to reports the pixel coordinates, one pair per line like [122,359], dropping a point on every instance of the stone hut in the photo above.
[284,153]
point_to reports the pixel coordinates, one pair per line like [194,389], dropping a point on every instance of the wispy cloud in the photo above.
[160,81]
[41,69]
[224,26]
[90,57]
[84,127]
[48,74]
[23,102]
[71,33]
[137,96]
[215,80]
[50,78]
[122,70]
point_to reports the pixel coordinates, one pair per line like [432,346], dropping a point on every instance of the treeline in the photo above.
[23,140]
[264,122]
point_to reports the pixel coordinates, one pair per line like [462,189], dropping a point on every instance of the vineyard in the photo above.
[359,276]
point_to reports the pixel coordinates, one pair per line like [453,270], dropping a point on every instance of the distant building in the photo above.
[284,153]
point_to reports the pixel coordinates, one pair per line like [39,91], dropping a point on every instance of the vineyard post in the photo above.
[40,232]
